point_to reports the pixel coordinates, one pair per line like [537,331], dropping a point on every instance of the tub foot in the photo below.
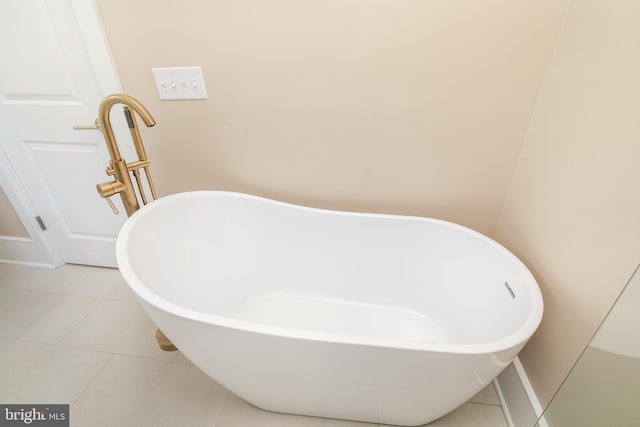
[164,342]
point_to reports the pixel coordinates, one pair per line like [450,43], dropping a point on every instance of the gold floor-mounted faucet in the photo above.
[119,169]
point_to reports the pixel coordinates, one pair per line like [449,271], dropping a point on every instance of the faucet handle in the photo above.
[110,170]
[95,125]
[113,207]
[108,189]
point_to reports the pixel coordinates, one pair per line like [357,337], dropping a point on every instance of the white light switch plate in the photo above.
[180,83]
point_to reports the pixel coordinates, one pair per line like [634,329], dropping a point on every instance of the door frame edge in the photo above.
[42,248]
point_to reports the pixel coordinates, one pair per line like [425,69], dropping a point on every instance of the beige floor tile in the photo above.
[42,373]
[13,274]
[118,327]
[39,316]
[181,358]
[471,415]
[105,283]
[137,392]
[77,280]
[40,279]
[238,413]
[487,396]
[121,291]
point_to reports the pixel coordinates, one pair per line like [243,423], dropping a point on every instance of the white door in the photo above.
[54,71]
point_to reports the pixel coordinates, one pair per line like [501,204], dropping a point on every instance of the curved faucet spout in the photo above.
[104,119]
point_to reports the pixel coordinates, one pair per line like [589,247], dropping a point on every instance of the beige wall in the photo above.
[414,107]
[573,211]
[10,224]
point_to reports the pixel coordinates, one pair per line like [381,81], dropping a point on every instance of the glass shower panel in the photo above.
[603,388]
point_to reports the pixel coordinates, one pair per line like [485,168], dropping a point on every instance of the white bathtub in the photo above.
[380,318]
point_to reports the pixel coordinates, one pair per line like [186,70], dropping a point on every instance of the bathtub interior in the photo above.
[243,258]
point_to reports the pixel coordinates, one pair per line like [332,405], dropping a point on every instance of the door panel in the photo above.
[48,84]
[60,166]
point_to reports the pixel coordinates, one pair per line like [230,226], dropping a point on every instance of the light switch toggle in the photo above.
[180,83]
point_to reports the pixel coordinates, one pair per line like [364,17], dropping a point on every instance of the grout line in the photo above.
[40,291]
[99,302]
[62,346]
[224,406]
[495,405]
[484,403]
[507,421]
[141,357]
[82,277]
[495,392]
[64,294]
[115,353]
[91,381]
[111,353]
[187,363]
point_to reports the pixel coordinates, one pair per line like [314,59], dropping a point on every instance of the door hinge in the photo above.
[41,223]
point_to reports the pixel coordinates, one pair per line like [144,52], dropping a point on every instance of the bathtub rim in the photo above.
[517,338]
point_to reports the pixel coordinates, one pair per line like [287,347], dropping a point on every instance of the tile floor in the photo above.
[76,335]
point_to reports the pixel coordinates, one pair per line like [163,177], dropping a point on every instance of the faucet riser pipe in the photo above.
[119,169]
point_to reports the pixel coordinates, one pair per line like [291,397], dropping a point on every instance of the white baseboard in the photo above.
[23,250]
[28,264]
[531,394]
[519,402]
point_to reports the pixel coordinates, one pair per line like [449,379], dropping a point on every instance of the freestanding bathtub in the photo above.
[380,318]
